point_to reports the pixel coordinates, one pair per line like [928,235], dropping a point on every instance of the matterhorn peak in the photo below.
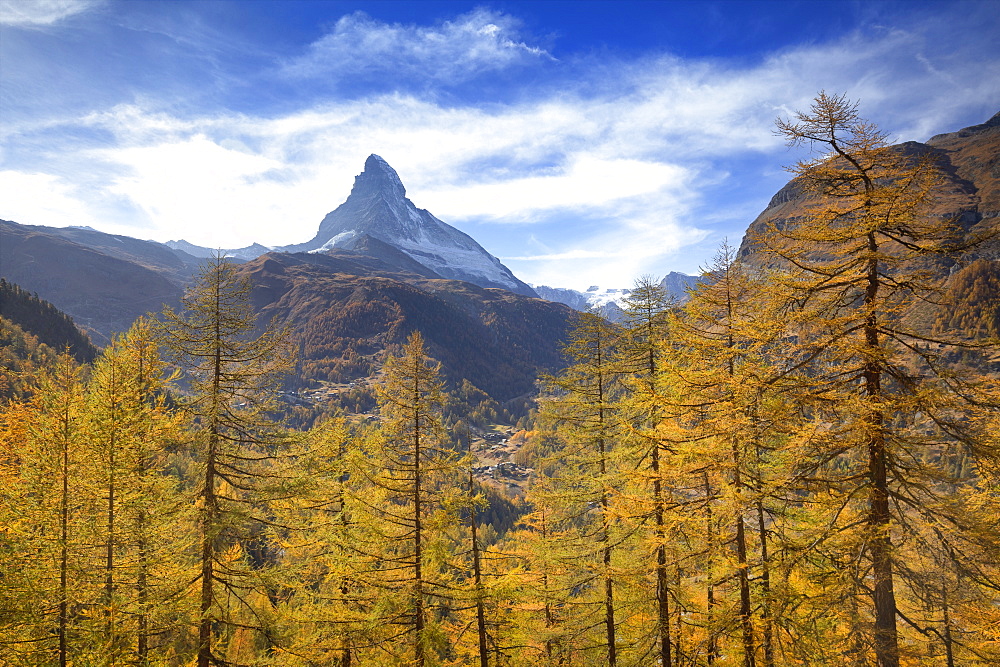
[378,178]
[377,208]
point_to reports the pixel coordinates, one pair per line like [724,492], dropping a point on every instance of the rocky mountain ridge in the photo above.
[378,208]
[967,195]
[346,308]
[969,161]
[247,253]
[104,282]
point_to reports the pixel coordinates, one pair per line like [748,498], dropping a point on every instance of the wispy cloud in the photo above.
[585,181]
[39,13]
[469,45]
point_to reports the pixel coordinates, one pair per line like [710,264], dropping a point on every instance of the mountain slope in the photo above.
[378,208]
[346,311]
[44,321]
[346,307]
[104,293]
[970,193]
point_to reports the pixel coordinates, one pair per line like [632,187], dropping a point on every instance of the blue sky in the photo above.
[581,142]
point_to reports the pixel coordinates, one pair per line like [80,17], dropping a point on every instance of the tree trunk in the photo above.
[767,633]
[345,653]
[418,588]
[713,650]
[886,641]
[886,647]
[743,570]
[551,645]
[142,591]
[679,635]
[609,609]
[609,588]
[948,648]
[477,573]
[64,543]
[209,518]
[662,594]
[210,514]
[109,565]
[141,584]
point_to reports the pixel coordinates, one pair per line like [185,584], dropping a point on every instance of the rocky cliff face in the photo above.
[970,194]
[377,208]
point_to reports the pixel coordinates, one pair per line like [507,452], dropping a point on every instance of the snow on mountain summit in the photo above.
[377,207]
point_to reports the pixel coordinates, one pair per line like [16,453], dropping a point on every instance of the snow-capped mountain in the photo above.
[378,208]
[250,252]
[609,301]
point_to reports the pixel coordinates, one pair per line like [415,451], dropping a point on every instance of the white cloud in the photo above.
[198,186]
[43,199]
[585,182]
[635,237]
[611,259]
[480,41]
[198,178]
[35,13]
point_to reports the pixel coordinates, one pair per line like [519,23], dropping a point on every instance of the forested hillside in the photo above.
[971,304]
[44,321]
[104,293]
[22,356]
[798,466]
[32,333]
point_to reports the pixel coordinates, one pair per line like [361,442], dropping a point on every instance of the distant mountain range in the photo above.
[609,301]
[103,281]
